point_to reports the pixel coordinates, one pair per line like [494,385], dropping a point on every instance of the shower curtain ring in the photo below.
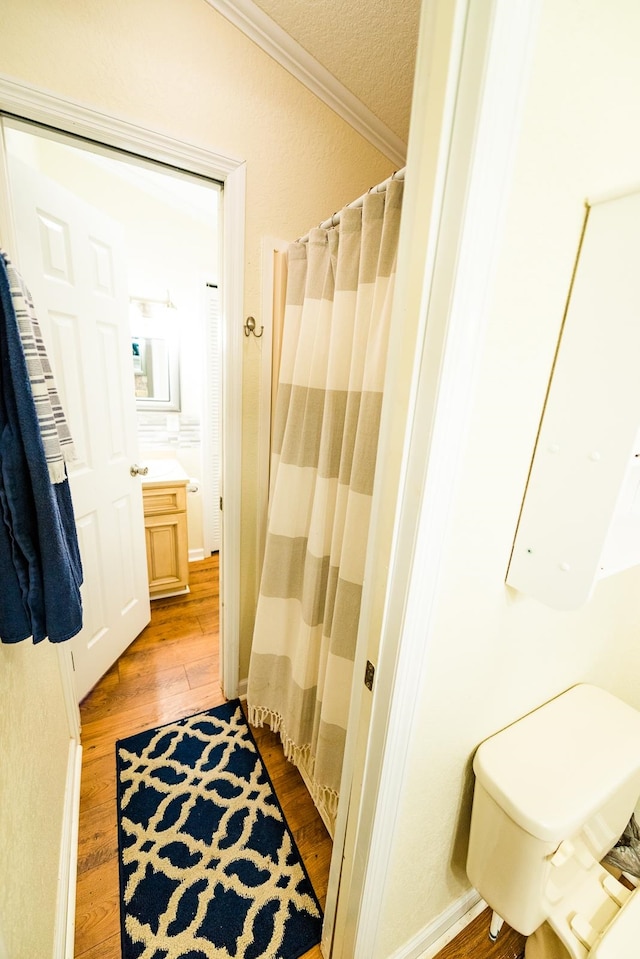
[250,327]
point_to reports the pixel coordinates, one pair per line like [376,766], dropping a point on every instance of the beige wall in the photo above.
[34,747]
[496,654]
[176,66]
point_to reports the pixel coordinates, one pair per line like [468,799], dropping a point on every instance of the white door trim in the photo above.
[67,869]
[7,229]
[270,245]
[453,253]
[232,336]
[27,102]
[64,934]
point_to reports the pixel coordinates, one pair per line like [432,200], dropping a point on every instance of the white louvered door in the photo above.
[71,258]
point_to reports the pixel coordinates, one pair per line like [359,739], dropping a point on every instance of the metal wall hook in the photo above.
[250,327]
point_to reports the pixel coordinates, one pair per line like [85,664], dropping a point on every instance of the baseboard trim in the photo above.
[242,689]
[170,592]
[428,942]
[306,778]
[63,947]
[195,555]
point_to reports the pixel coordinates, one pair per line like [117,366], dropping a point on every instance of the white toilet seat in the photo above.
[598,919]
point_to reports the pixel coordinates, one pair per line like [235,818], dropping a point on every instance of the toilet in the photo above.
[553,794]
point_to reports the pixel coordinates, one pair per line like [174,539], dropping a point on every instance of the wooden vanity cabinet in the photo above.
[165,521]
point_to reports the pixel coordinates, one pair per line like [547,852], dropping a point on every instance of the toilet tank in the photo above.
[570,770]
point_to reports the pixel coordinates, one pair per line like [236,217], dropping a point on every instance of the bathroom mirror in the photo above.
[155,355]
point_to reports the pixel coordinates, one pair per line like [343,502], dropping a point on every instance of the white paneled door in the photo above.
[71,258]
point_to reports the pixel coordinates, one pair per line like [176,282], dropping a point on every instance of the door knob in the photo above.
[136,470]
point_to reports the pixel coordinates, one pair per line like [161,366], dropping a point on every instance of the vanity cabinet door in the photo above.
[165,524]
[167,553]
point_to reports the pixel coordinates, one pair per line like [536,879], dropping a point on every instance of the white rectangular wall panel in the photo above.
[584,476]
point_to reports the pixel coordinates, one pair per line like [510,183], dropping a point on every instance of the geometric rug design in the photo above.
[208,866]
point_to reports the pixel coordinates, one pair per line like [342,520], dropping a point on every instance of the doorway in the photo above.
[122,259]
[154,166]
[170,228]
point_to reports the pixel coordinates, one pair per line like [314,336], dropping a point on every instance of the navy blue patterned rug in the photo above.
[208,866]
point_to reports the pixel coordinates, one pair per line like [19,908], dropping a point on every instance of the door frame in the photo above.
[24,102]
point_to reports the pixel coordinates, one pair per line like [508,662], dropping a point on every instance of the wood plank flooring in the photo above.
[474,943]
[170,671]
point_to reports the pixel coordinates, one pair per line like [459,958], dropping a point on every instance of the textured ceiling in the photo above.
[368,45]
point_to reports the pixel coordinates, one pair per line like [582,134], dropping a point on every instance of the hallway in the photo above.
[171,670]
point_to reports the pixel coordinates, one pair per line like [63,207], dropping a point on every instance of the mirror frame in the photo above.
[173,403]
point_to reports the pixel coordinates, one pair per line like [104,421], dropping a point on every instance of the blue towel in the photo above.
[40,567]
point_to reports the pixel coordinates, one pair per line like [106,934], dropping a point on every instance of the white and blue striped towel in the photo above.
[56,438]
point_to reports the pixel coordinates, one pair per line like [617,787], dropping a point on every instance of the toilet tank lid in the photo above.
[552,769]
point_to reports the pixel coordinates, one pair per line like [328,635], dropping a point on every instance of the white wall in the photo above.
[34,745]
[496,654]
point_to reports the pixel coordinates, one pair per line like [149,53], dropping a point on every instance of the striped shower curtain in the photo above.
[336,328]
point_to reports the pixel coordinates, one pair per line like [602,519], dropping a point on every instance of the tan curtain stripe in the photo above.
[330,740]
[295,573]
[345,616]
[365,447]
[321,431]
[278,692]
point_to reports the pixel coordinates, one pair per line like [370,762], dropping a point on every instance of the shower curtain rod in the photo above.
[380,188]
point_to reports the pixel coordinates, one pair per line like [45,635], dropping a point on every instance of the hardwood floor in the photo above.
[474,943]
[170,671]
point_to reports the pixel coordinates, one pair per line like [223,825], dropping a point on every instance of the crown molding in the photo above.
[257,26]
[27,102]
